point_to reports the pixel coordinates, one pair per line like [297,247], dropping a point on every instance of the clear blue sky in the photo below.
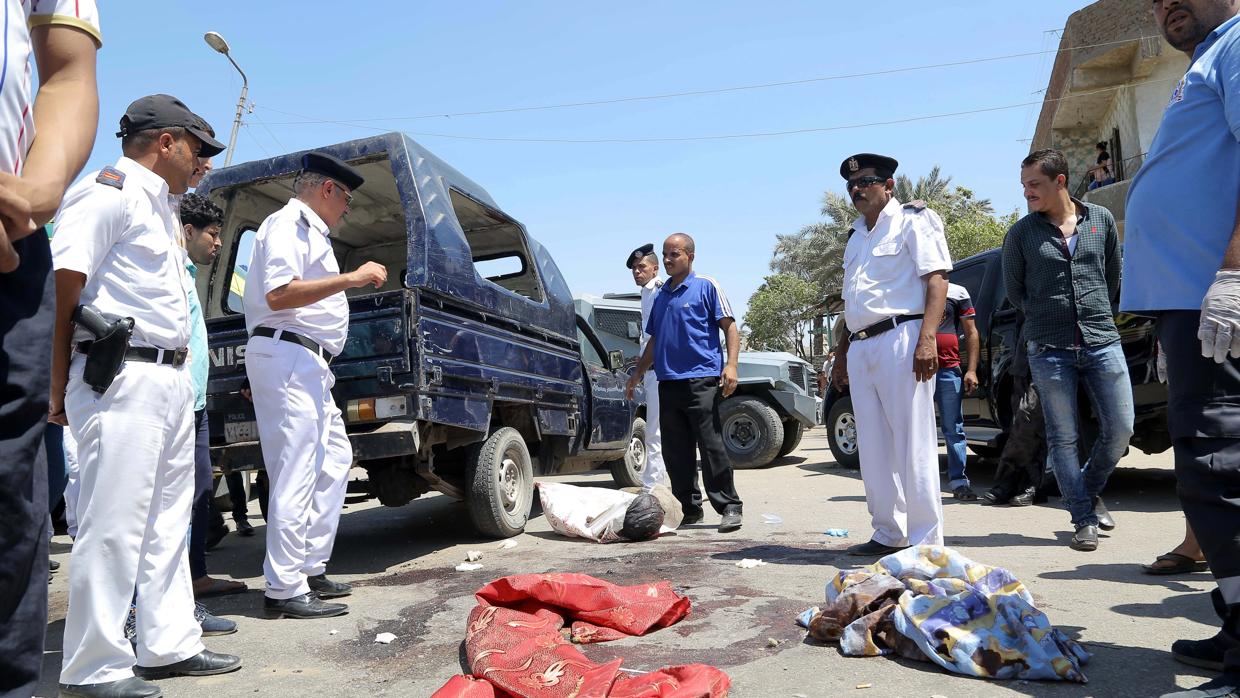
[592,203]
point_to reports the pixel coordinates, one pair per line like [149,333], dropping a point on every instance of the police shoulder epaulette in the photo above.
[850,232]
[917,205]
[111,177]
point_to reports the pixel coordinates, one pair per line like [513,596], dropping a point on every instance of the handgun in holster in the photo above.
[105,339]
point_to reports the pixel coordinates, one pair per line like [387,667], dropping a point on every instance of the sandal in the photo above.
[221,587]
[1181,564]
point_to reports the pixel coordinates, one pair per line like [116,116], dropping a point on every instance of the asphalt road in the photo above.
[401,561]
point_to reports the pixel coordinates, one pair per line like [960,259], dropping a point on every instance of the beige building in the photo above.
[1114,89]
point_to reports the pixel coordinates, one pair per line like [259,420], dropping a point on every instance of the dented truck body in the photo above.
[467,373]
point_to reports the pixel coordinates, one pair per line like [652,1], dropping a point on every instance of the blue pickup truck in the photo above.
[468,373]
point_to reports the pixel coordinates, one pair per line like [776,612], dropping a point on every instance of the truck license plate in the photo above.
[240,431]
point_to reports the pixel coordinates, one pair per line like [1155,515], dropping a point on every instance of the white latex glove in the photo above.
[1219,330]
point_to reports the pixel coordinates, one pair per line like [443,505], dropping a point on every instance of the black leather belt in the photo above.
[150,355]
[880,327]
[286,336]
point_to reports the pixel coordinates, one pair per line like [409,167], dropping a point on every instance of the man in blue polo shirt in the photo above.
[684,349]
[1182,263]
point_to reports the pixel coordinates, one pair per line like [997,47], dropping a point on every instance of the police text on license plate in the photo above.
[240,431]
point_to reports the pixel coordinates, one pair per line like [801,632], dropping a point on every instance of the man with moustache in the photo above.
[298,318]
[1061,266]
[895,291]
[1182,264]
[685,321]
[116,250]
[644,264]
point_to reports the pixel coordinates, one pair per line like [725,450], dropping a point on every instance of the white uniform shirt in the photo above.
[16,110]
[292,244]
[649,291]
[125,242]
[883,268]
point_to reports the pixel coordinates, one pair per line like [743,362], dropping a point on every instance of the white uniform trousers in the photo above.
[71,482]
[135,451]
[655,473]
[896,437]
[307,456]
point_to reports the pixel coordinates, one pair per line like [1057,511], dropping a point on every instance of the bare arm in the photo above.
[643,365]
[1231,257]
[973,345]
[839,370]
[732,338]
[68,294]
[299,293]
[66,112]
[926,356]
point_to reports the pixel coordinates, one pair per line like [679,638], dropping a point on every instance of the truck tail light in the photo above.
[370,409]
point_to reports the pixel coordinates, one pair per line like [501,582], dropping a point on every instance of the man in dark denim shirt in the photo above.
[1061,265]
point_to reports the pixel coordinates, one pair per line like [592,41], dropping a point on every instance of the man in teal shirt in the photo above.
[200,221]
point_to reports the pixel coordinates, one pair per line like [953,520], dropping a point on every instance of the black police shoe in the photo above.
[1085,538]
[205,663]
[325,588]
[132,687]
[304,606]
[1207,653]
[873,547]
[1225,686]
[731,519]
[1026,497]
[692,516]
[244,528]
[1105,522]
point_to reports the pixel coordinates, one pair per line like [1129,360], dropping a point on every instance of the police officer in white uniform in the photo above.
[298,318]
[644,264]
[116,249]
[895,273]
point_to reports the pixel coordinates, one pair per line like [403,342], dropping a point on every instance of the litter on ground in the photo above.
[837,532]
[468,567]
[384,638]
[749,563]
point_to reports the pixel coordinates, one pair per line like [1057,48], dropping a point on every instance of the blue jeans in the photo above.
[947,391]
[1103,371]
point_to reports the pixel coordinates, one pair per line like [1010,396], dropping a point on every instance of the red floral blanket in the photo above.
[515,645]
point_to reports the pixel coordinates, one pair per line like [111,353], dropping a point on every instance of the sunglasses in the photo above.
[863,182]
[348,196]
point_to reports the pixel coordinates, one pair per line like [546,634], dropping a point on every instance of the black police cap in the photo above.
[166,111]
[332,167]
[639,254]
[883,165]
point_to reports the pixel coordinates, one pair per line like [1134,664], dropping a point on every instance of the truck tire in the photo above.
[752,431]
[627,471]
[500,480]
[793,431]
[842,433]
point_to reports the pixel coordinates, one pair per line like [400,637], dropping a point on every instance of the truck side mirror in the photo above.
[615,359]
[634,331]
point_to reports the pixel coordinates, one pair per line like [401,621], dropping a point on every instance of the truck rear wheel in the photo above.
[842,433]
[793,431]
[627,471]
[500,476]
[752,431]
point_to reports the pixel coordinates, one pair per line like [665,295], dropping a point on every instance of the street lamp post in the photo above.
[215,41]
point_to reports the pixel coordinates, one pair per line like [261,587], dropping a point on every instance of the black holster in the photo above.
[106,339]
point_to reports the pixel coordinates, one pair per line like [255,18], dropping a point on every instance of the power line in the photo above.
[696,93]
[755,134]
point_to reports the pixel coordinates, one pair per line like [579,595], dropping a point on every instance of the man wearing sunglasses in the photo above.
[298,317]
[895,274]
